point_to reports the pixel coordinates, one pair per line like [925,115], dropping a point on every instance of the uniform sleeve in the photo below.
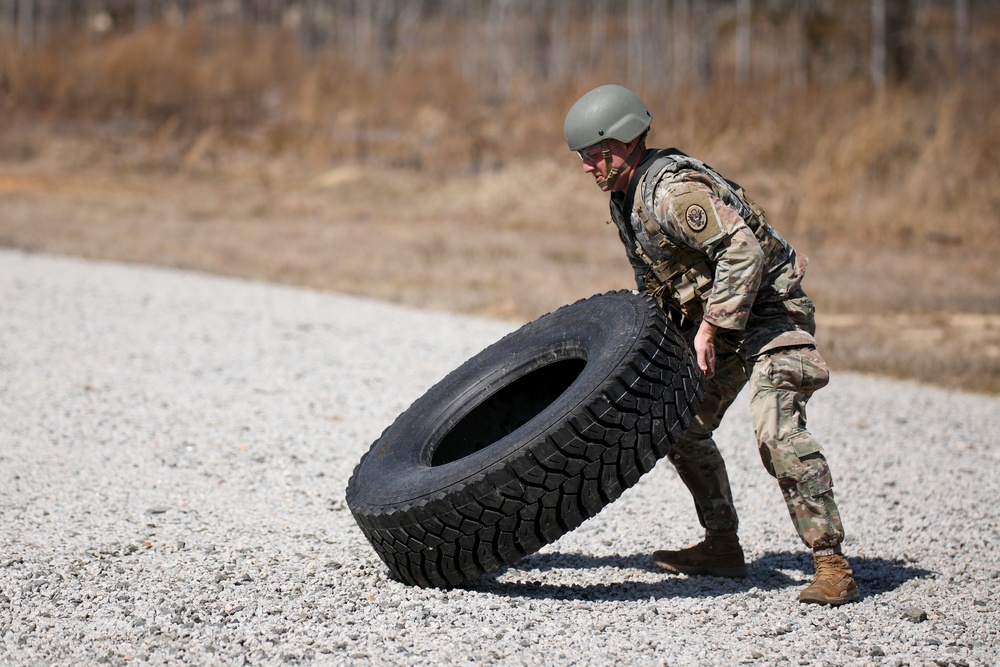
[739,266]
[703,221]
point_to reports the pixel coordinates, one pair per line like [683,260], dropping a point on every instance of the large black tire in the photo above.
[526,440]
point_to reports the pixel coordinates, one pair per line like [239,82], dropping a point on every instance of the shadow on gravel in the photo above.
[769,572]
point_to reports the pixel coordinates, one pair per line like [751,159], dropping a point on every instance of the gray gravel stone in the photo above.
[174,450]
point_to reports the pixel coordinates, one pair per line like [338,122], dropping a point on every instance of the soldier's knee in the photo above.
[799,369]
[690,450]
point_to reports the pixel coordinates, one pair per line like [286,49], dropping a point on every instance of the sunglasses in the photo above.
[592,154]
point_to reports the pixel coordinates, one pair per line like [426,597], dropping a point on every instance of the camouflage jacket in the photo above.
[704,248]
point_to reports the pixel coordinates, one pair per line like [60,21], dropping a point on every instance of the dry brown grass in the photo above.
[242,157]
[511,244]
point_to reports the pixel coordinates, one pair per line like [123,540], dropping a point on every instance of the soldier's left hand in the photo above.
[704,348]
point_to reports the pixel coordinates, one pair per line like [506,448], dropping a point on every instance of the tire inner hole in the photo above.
[507,410]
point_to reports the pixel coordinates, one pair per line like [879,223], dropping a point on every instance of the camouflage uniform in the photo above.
[704,249]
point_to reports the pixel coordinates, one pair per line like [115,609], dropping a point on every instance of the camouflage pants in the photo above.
[781,382]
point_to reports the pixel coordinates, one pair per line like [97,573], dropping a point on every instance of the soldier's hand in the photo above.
[704,348]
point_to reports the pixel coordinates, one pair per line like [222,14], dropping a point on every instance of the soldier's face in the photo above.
[595,164]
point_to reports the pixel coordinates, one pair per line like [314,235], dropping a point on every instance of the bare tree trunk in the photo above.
[143,12]
[466,16]
[308,33]
[706,33]
[744,25]
[411,17]
[387,19]
[680,25]
[636,39]
[598,33]
[8,13]
[362,33]
[503,59]
[561,58]
[25,24]
[542,38]
[963,23]
[899,40]
[801,75]
[658,36]
[878,66]
[345,25]
[46,21]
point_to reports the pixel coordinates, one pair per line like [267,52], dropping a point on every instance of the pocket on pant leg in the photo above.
[816,479]
[804,444]
[811,471]
[792,458]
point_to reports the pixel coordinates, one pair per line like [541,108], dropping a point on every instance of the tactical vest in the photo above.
[678,274]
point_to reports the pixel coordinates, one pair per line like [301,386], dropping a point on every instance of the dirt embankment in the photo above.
[512,243]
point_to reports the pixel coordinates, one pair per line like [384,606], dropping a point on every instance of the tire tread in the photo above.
[573,472]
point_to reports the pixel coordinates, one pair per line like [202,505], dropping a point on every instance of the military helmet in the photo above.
[606,112]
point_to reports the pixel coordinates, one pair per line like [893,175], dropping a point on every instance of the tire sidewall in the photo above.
[602,331]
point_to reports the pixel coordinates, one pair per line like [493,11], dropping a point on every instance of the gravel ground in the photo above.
[174,450]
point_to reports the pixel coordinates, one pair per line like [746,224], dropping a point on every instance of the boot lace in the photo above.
[831,568]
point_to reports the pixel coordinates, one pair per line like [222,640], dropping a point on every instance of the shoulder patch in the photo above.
[695,212]
[696,217]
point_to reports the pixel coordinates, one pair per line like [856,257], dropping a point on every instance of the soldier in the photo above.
[700,245]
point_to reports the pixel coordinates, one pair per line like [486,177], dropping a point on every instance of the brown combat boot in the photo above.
[716,556]
[834,582]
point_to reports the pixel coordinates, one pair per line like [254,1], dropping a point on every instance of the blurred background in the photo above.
[412,150]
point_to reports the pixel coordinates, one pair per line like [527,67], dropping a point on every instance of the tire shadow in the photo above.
[770,572]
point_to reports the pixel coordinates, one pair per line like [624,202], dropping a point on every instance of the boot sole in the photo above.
[848,596]
[739,572]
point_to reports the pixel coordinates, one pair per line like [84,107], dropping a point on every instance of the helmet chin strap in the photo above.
[613,172]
